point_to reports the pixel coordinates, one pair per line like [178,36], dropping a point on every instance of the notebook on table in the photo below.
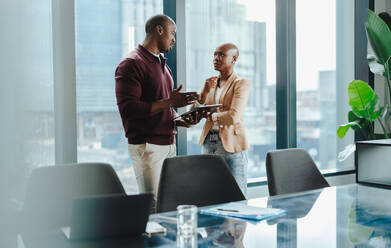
[109,216]
[242,211]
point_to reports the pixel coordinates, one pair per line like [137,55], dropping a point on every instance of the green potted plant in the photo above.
[365,111]
[379,37]
[364,102]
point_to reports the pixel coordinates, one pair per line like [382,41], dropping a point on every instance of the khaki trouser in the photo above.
[147,160]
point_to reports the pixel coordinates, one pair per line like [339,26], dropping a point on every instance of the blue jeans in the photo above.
[237,161]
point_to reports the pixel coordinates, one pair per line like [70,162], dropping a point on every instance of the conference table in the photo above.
[342,216]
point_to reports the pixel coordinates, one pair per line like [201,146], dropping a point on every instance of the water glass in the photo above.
[187,219]
[187,241]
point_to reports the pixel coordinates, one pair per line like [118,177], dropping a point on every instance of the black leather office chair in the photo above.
[51,190]
[199,180]
[292,170]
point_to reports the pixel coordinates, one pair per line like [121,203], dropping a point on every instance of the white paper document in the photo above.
[243,211]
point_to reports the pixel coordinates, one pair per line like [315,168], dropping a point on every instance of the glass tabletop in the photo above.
[342,216]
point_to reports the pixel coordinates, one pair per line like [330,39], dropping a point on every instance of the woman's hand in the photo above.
[210,83]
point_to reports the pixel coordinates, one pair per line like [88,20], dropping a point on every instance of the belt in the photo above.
[213,136]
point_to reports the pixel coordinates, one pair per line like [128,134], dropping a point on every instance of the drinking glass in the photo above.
[187,219]
[187,241]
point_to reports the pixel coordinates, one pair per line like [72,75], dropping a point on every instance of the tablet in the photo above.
[207,108]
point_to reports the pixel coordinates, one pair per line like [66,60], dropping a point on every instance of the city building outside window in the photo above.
[106,31]
[251,26]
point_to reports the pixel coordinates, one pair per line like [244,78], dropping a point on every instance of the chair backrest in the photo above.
[199,180]
[51,191]
[292,170]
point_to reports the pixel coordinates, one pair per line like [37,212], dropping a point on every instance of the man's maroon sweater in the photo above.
[140,80]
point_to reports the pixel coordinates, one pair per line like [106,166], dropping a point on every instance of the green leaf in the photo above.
[373,108]
[371,112]
[360,113]
[379,37]
[362,125]
[375,115]
[375,67]
[362,122]
[352,116]
[360,94]
[385,111]
[343,129]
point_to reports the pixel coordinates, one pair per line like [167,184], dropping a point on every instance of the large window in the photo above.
[321,30]
[250,24]
[324,67]
[106,30]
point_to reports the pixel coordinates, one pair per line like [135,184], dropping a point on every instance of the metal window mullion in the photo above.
[360,40]
[64,76]
[361,69]
[177,58]
[286,73]
[169,9]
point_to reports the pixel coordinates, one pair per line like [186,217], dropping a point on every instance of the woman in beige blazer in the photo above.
[224,131]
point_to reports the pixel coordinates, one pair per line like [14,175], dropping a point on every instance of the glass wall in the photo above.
[106,30]
[250,24]
[26,93]
[321,31]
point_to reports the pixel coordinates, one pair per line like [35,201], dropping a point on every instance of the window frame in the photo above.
[286,129]
[65,77]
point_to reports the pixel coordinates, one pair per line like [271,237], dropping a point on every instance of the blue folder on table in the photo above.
[243,211]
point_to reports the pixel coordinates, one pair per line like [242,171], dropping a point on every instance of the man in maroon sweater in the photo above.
[145,101]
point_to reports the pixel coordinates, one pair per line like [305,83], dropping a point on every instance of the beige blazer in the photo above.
[234,95]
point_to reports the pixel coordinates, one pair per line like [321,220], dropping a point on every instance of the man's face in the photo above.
[223,58]
[167,37]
